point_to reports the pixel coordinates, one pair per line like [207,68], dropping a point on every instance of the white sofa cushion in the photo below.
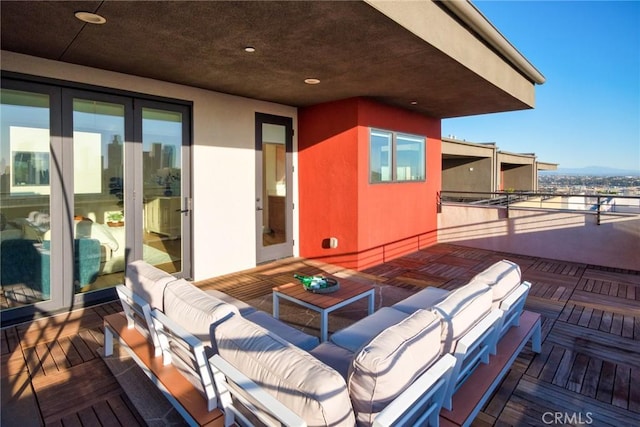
[194,310]
[308,387]
[388,364]
[288,333]
[353,337]
[244,308]
[339,358]
[461,310]
[425,299]
[93,230]
[148,282]
[503,277]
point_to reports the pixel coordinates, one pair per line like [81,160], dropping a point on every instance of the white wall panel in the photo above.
[223,164]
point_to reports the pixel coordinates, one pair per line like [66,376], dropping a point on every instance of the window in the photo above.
[396,157]
[30,168]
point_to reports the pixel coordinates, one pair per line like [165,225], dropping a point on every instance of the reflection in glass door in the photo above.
[88,183]
[99,210]
[162,137]
[274,215]
[25,192]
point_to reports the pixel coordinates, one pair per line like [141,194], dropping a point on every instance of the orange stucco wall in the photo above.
[372,222]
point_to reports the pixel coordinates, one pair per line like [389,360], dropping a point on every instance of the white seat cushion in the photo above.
[461,310]
[290,334]
[311,389]
[391,362]
[503,277]
[339,358]
[424,299]
[360,333]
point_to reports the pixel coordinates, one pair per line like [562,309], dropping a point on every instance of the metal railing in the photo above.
[596,204]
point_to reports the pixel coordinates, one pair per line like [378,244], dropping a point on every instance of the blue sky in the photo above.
[587,112]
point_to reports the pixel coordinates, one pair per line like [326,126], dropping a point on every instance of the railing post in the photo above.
[508,203]
[598,214]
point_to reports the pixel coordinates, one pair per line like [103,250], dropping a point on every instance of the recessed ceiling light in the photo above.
[250,49]
[90,18]
[414,102]
[311,81]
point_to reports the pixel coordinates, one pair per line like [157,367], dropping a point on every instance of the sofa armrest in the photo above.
[170,332]
[473,347]
[233,383]
[420,403]
[106,253]
[512,306]
[138,313]
[482,334]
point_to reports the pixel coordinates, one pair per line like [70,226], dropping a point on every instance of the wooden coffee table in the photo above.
[323,303]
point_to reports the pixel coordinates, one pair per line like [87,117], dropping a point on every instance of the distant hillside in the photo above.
[593,171]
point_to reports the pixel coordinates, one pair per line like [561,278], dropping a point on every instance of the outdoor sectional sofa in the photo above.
[397,366]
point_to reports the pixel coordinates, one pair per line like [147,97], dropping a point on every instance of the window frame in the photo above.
[394,136]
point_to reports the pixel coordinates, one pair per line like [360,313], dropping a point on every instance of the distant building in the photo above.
[482,167]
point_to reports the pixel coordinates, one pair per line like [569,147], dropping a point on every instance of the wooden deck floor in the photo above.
[587,372]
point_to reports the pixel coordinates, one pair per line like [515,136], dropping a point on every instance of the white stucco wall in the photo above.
[223,159]
[568,236]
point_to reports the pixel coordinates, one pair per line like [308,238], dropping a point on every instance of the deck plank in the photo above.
[596,343]
[610,303]
[621,387]
[561,400]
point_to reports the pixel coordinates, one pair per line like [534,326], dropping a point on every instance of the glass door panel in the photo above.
[274,184]
[25,192]
[274,206]
[99,209]
[162,139]
[87,184]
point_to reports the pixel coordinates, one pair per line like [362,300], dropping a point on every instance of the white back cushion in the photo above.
[93,230]
[503,277]
[461,310]
[194,309]
[311,389]
[148,282]
[391,361]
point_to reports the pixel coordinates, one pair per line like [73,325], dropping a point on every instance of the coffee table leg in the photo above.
[324,325]
[372,302]
[276,306]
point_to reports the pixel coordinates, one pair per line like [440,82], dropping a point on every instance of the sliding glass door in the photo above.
[166,204]
[26,179]
[90,181]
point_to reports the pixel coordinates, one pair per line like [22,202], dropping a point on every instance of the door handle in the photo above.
[259,209]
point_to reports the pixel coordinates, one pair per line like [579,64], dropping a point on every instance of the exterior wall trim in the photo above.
[470,15]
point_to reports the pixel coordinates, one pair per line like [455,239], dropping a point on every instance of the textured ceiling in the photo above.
[352,48]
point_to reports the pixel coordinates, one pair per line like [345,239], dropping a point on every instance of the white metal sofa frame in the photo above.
[512,307]
[162,332]
[471,349]
[228,388]
[483,339]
